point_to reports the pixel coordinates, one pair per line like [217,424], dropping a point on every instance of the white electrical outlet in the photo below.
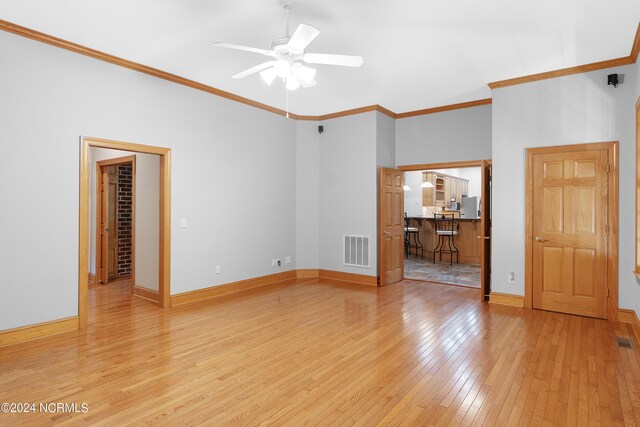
[287,260]
[274,263]
[183,222]
[511,278]
[218,269]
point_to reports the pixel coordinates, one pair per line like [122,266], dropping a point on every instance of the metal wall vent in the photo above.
[624,342]
[356,250]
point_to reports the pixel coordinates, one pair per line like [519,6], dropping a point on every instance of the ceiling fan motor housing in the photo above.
[280,47]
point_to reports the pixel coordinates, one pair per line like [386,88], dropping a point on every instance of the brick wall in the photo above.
[125,216]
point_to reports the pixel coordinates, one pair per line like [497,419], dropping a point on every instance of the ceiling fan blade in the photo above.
[301,38]
[240,47]
[254,70]
[329,59]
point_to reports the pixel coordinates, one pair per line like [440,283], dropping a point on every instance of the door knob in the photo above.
[540,239]
[386,233]
[106,229]
[485,237]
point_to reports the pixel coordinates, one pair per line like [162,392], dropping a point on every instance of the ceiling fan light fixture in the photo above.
[282,68]
[268,75]
[289,57]
[292,83]
[304,74]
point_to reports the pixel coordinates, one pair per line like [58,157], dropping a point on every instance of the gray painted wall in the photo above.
[385,141]
[567,110]
[443,137]
[307,195]
[347,188]
[220,150]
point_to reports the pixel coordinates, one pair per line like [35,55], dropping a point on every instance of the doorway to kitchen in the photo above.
[447,223]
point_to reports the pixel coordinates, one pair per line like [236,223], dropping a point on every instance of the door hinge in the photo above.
[608,167]
[608,292]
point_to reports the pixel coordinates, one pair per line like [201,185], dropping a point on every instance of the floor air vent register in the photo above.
[624,342]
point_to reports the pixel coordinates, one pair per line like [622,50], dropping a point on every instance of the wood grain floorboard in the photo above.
[319,352]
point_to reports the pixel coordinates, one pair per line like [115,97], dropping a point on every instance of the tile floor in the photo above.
[458,274]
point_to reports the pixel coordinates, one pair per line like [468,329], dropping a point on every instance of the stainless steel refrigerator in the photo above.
[469,208]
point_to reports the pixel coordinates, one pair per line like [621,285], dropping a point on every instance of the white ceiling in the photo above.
[418,53]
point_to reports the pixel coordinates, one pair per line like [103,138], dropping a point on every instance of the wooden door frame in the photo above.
[612,219]
[450,165]
[165,218]
[111,162]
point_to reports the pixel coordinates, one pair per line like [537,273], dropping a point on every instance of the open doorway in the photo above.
[124,224]
[114,197]
[441,208]
[446,209]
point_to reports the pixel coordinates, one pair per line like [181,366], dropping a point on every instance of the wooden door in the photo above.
[485,229]
[112,222]
[103,267]
[391,238]
[108,213]
[569,231]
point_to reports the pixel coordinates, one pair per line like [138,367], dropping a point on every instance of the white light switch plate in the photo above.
[183,222]
[218,269]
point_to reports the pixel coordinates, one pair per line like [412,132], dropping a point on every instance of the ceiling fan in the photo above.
[289,57]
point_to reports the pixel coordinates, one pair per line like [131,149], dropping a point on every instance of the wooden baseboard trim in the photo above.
[230,288]
[92,279]
[630,316]
[39,330]
[307,273]
[145,293]
[340,276]
[506,299]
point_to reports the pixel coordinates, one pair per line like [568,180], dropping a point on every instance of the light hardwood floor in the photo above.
[312,351]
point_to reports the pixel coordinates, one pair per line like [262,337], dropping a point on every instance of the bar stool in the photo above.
[408,232]
[446,229]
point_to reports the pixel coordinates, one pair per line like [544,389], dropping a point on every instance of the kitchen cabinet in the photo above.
[444,188]
[447,189]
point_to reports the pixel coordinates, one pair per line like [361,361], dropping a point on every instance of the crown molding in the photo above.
[635,49]
[445,108]
[562,72]
[626,60]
